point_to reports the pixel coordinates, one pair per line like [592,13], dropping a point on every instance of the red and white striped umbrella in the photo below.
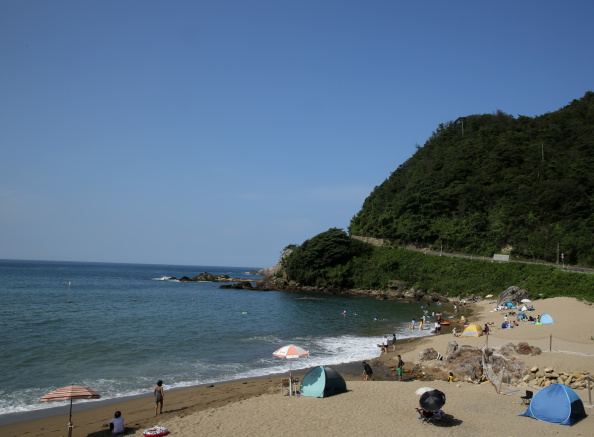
[68,394]
[291,351]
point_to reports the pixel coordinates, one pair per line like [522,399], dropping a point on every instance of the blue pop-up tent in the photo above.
[546,319]
[556,403]
[321,382]
[510,306]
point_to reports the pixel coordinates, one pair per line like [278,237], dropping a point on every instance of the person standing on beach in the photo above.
[386,343]
[412,326]
[400,366]
[159,396]
[393,342]
[367,372]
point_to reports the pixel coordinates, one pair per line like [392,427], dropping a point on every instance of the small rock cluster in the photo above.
[548,376]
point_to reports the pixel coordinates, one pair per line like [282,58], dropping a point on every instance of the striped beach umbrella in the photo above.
[70,393]
[291,351]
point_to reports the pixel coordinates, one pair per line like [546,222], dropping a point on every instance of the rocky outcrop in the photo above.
[272,271]
[466,362]
[209,277]
[429,354]
[513,294]
[524,348]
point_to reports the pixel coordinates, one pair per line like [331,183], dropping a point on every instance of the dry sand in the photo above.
[380,408]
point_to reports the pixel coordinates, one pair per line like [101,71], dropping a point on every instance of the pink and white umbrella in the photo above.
[291,351]
[68,394]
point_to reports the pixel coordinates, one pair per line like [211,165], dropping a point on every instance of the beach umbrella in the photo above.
[70,393]
[525,300]
[489,295]
[291,352]
[432,400]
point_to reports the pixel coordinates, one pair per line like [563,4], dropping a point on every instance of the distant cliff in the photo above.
[272,271]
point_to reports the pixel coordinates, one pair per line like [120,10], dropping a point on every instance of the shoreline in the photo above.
[83,414]
[205,403]
[350,370]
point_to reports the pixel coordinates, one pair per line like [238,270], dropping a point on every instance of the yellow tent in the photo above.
[472,330]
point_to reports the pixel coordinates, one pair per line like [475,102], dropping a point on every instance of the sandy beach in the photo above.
[382,407]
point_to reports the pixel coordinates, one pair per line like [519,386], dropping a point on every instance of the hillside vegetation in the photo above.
[333,259]
[487,182]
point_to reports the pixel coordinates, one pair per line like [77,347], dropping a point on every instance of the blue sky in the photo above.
[217,133]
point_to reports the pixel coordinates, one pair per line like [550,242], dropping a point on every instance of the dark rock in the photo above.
[523,348]
[513,294]
[238,286]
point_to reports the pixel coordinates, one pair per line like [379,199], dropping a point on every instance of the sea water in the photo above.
[118,328]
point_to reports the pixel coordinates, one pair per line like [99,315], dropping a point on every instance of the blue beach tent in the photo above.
[556,403]
[546,319]
[510,306]
[321,382]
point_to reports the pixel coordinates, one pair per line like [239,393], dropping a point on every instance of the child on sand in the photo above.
[116,425]
[159,396]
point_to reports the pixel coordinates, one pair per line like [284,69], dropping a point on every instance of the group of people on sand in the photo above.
[116,425]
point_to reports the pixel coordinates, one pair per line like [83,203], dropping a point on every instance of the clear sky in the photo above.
[219,132]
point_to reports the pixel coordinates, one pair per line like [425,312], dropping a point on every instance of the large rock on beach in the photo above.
[524,348]
[452,348]
[428,354]
[513,294]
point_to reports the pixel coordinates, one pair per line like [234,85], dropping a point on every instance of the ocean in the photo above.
[118,328]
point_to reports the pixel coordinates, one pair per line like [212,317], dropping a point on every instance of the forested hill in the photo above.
[487,182]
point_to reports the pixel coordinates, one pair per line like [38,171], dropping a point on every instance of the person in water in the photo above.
[159,396]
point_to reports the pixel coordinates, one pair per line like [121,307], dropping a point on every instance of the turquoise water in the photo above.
[127,326]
